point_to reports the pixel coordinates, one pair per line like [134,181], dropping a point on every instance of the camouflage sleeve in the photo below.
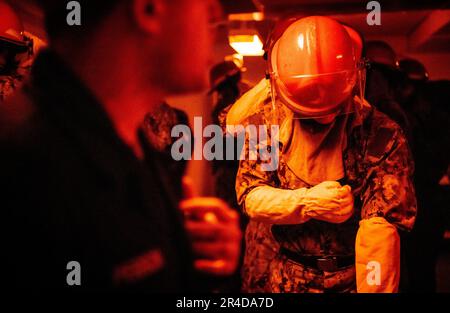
[388,190]
[250,173]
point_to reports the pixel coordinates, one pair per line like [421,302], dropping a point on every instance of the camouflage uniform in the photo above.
[378,167]
[157,129]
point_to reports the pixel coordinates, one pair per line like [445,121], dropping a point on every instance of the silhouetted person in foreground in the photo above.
[79,180]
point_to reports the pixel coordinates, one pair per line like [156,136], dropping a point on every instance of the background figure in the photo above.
[157,129]
[15,49]
[432,164]
[402,91]
[429,119]
[383,78]
[226,87]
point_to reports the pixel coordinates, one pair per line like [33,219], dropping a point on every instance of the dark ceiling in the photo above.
[281,7]
[425,23]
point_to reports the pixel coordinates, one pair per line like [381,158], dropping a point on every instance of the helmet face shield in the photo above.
[316,95]
[314,68]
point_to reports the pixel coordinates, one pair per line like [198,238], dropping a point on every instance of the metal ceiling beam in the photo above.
[434,22]
[326,7]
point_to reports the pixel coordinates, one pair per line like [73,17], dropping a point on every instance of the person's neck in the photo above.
[123,93]
[127,110]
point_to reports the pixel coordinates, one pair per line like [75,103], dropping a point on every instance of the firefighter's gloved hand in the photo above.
[377,256]
[275,206]
[214,230]
[329,202]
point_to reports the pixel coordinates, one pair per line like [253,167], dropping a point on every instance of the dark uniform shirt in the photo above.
[73,191]
[378,167]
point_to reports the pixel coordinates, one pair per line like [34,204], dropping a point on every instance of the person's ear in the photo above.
[148,15]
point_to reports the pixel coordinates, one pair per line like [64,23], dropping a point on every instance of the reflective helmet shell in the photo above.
[314,62]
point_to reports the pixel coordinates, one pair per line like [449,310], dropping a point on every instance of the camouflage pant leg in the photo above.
[265,270]
[288,276]
[260,249]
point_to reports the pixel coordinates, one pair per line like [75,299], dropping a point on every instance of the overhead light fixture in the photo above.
[246,42]
[237,59]
[253,16]
[242,36]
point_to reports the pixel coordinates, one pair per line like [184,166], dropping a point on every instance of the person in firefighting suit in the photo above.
[81,182]
[328,218]
[14,51]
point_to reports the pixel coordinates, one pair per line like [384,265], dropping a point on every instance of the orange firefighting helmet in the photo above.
[357,41]
[313,65]
[11,27]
